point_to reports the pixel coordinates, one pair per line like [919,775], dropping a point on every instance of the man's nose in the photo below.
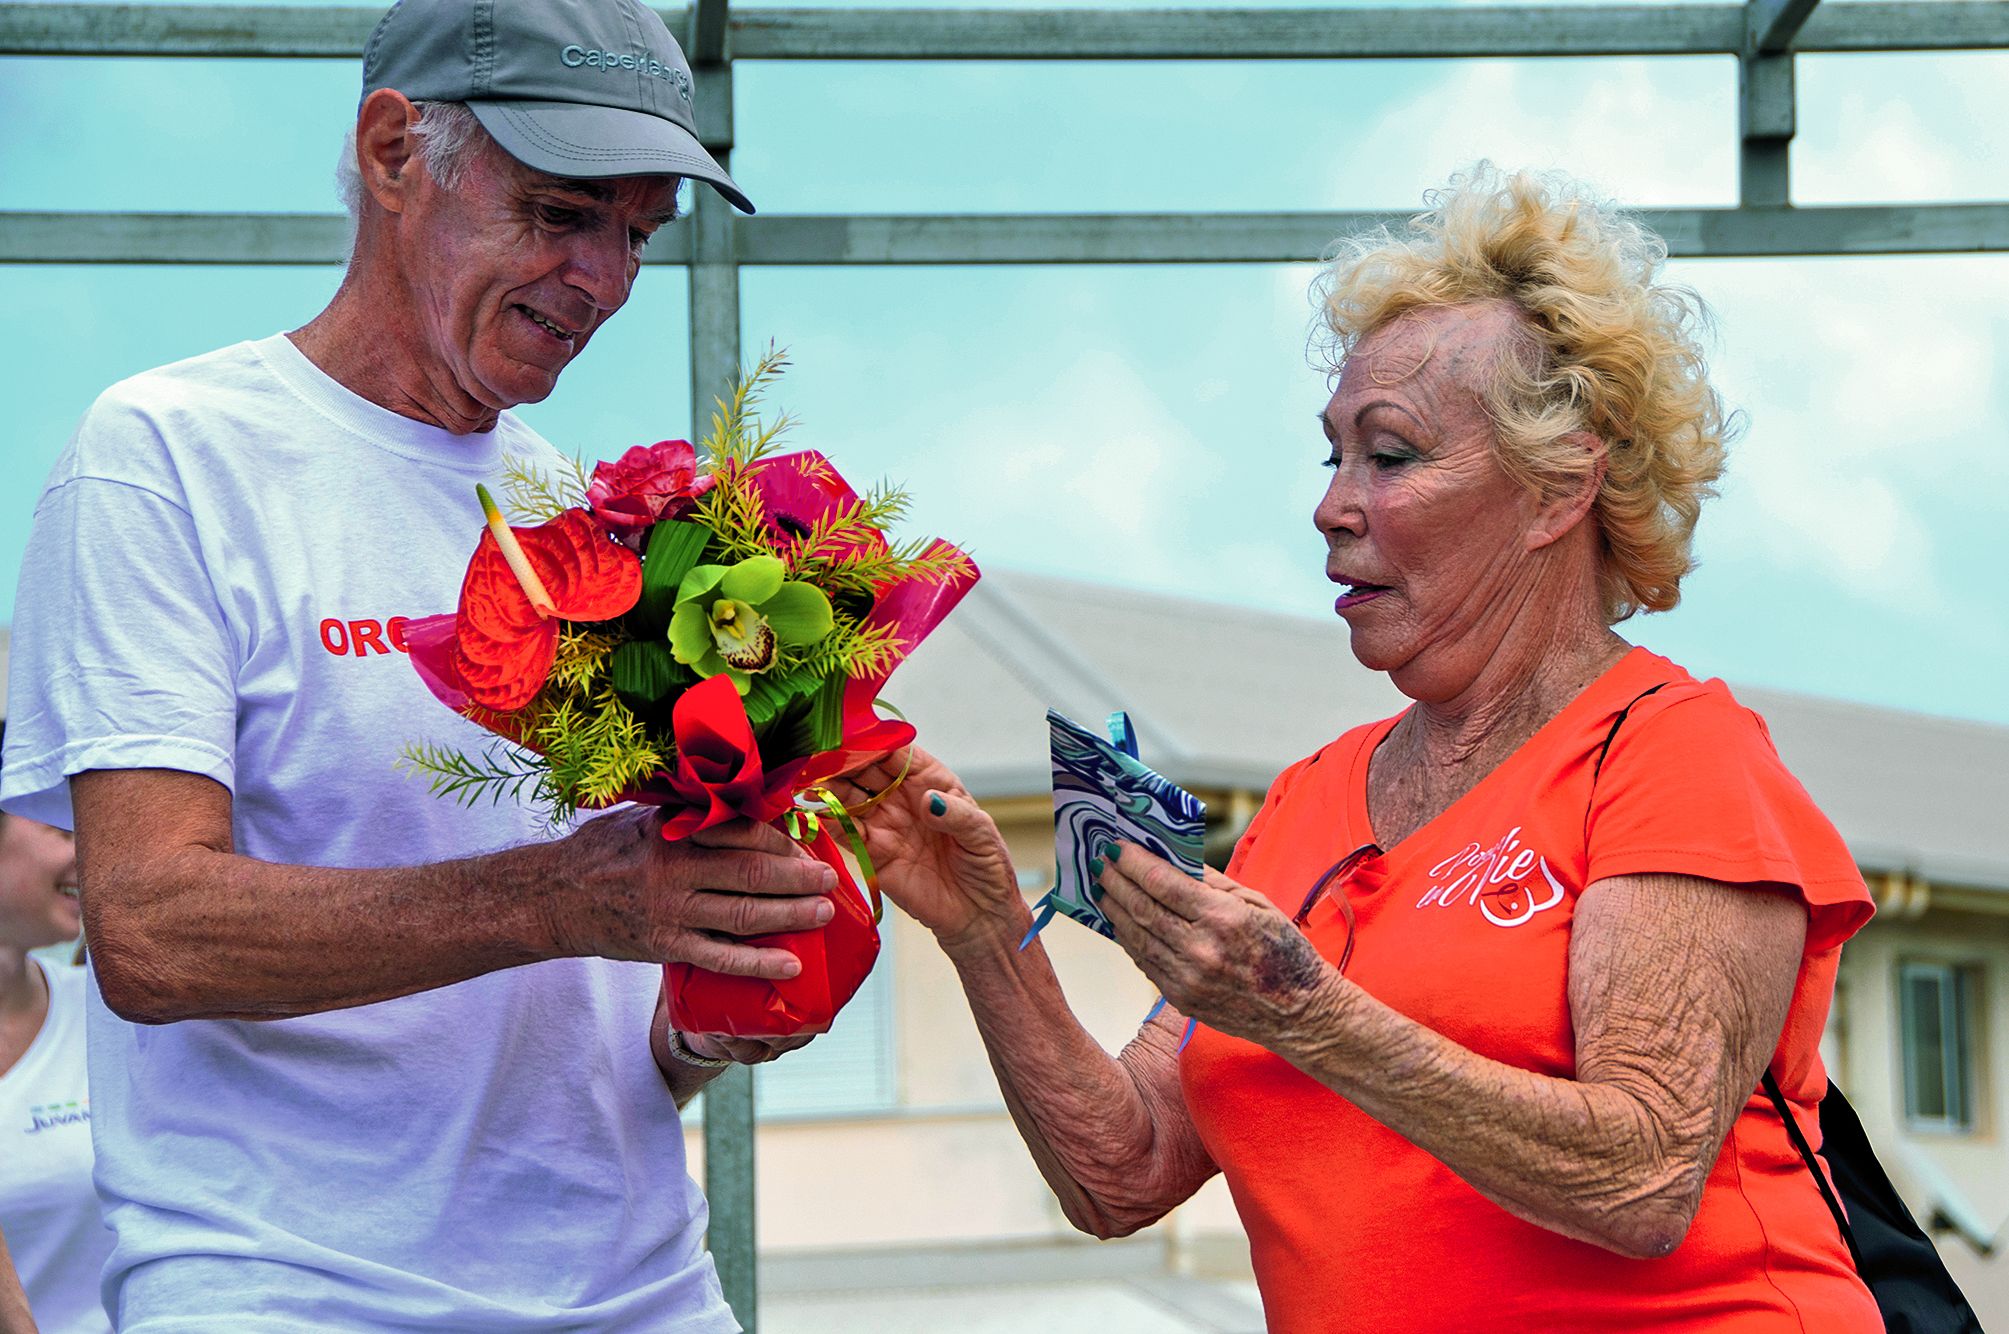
[602,266]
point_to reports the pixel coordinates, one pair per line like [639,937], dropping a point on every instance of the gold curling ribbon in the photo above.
[852,834]
[905,768]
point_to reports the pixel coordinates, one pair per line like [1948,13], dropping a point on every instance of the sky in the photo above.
[1152,426]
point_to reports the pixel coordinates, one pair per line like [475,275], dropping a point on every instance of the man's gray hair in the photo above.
[448,134]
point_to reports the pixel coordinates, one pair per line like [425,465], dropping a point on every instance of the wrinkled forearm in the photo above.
[208,934]
[1617,1163]
[1111,1135]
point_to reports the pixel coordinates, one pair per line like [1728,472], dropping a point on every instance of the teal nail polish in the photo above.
[936,806]
[1095,865]
[1111,851]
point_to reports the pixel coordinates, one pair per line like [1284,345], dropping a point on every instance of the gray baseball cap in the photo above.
[578,88]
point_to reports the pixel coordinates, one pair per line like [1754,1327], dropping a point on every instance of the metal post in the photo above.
[714,312]
[729,1181]
[729,1124]
[1765,101]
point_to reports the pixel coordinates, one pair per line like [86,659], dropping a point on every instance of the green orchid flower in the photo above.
[734,620]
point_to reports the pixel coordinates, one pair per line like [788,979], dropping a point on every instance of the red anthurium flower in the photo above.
[642,485]
[503,644]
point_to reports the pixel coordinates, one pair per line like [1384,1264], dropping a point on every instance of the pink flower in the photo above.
[799,491]
[647,483]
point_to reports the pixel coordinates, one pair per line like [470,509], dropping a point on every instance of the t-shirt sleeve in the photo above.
[1279,790]
[120,657]
[1696,788]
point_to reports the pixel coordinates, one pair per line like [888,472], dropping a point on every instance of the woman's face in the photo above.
[38,884]
[1429,536]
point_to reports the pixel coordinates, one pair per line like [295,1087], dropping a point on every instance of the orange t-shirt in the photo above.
[1465,927]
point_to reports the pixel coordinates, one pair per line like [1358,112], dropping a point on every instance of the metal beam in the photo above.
[707,44]
[1217,238]
[1068,34]
[1771,25]
[1255,34]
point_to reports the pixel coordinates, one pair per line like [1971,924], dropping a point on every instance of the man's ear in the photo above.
[385,147]
[1562,511]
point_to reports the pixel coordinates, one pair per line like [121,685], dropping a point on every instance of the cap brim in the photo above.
[590,142]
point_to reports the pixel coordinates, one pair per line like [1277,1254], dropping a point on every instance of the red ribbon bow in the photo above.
[719,776]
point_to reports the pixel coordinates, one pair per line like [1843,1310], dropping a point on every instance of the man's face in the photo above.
[512,271]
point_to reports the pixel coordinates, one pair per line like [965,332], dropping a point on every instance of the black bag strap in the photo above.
[1619,722]
[1778,1098]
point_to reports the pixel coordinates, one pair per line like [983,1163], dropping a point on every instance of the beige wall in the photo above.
[1870,1070]
[947,1166]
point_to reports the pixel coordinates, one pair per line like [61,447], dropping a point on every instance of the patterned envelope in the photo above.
[1103,792]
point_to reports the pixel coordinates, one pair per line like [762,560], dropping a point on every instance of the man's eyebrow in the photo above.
[601,192]
[597,191]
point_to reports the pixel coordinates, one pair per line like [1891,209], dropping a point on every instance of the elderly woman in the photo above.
[1484,999]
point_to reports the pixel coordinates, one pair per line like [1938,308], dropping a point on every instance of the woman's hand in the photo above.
[939,856]
[1221,953]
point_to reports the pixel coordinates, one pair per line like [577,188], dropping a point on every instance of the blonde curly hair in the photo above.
[1608,350]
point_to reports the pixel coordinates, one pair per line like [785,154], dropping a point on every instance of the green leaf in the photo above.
[826,715]
[770,692]
[799,614]
[755,579]
[787,735]
[673,551]
[645,670]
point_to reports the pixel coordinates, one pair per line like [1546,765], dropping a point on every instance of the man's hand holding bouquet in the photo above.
[709,636]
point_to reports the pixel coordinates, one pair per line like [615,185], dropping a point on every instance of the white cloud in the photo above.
[1640,127]
[1886,128]
[1104,480]
[1876,399]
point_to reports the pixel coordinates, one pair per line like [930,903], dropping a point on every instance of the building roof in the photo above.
[1225,697]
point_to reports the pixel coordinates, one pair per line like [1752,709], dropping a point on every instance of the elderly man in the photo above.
[361,1059]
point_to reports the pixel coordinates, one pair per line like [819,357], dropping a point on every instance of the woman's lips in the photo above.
[1356,594]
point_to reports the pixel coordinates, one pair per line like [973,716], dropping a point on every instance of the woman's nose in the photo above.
[1342,507]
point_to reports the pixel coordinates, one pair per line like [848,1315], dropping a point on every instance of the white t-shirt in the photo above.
[48,1208]
[214,584]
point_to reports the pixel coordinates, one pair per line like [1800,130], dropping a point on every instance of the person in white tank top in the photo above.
[48,1207]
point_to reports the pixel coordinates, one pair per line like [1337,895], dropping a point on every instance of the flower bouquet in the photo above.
[705,635]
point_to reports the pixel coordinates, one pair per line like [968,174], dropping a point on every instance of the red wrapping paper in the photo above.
[719,777]
[835,962]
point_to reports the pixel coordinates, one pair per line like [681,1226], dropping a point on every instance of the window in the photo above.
[1935,1019]
[848,1070]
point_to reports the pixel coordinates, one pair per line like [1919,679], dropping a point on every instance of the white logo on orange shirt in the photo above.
[1496,880]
